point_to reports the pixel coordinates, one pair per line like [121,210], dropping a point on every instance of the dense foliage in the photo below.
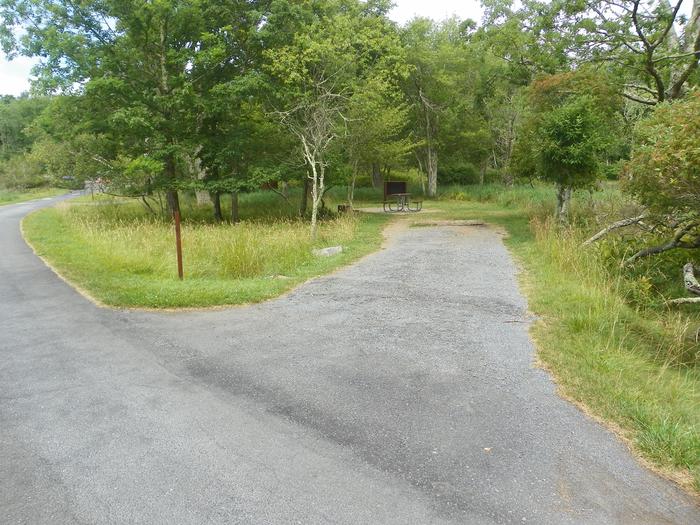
[664,171]
[227,97]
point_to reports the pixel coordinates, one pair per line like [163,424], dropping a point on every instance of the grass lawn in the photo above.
[603,333]
[12,196]
[122,257]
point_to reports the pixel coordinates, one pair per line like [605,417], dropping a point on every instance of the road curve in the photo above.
[398,390]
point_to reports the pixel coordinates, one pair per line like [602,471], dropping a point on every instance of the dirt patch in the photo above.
[458,222]
[398,214]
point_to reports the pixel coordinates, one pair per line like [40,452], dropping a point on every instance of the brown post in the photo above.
[178,243]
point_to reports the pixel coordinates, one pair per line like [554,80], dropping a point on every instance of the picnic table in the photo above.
[397,199]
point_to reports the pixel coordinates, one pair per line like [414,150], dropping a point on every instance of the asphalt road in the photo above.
[399,390]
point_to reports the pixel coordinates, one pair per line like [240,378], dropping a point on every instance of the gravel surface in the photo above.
[398,390]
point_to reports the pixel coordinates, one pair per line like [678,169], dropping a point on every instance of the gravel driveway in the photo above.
[398,390]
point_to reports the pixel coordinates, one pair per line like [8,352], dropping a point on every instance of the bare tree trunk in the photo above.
[216,200]
[235,216]
[563,203]
[317,188]
[431,154]
[422,173]
[431,165]
[194,166]
[171,195]
[173,201]
[203,197]
[615,226]
[676,242]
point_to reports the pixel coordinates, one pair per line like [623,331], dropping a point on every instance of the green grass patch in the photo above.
[124,257]
[14,196]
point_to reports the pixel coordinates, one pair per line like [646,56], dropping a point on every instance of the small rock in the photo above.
[327,252]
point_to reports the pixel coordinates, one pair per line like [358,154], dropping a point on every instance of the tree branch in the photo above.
[614,226]
[675,242]
[640,100]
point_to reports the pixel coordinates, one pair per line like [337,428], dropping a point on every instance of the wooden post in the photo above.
[178,243]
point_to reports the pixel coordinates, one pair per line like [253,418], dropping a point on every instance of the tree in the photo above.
[654,47]
[377,118]
[316,74]
[136,62]
[566,133]
[439,90]
[16,116]
[664,174]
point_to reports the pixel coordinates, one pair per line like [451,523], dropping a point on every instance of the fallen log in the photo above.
[614,226]
[691,284]
[684,300]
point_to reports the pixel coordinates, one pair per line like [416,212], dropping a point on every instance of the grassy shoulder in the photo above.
[122,257]
[635,367]
[12,196]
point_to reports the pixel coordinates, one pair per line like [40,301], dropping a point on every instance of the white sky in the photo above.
[436,9]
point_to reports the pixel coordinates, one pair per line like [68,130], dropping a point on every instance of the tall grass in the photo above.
[124,256]
[124,240]
[10,196]
[663,334]
[636,366]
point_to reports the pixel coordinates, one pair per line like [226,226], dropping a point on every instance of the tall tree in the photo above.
[566,132]
[344,43]
[136,60]
[652,44]
[436,58]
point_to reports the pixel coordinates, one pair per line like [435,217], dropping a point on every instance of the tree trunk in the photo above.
[216,200]
[431,166]
[303,205]
[615,226]
[235,217]
[507,178]
[317,190]
[171,195]
[482,173]
[431,157]
[563,203]
[351,186]
[422,173]
[377,178]
[203,197]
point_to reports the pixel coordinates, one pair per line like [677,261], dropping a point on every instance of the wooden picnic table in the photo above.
[402,202]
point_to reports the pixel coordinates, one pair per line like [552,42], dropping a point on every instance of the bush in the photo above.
[462,173]
[21,172]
